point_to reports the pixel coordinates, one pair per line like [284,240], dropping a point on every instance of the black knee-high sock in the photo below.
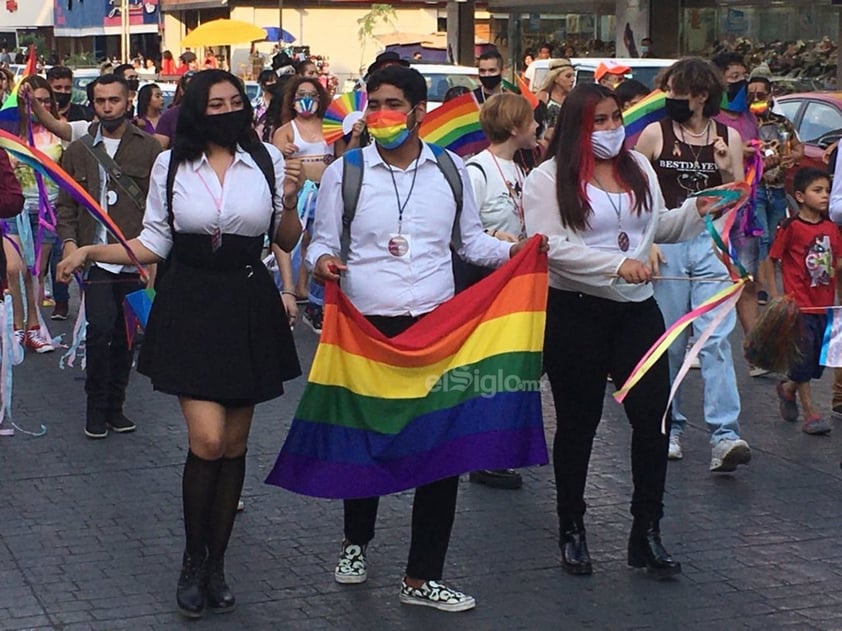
[198,487]
[229,485]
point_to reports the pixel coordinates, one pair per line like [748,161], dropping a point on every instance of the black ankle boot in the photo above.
[646,550]
[220,597]
[575,558]
[191,593]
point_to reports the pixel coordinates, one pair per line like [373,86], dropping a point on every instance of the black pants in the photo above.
[109,359]
[433,508]
[586,339]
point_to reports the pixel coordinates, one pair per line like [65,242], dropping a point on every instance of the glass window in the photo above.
[819,118]
[789,108]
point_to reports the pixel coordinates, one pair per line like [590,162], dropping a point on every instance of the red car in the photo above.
[817,117]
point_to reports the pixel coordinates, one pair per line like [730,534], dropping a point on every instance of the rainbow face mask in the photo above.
[388,128]
[306,105]
[759,108]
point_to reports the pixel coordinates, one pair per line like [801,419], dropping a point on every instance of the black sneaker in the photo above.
[120,424]
[313,317]
[498,478]
[96,425]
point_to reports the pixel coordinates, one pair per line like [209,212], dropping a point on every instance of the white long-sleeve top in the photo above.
[377,282]
[574,265]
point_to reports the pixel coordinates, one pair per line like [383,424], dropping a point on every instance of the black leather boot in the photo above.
[191,594]
[646,550]
[220,597]
[575,558]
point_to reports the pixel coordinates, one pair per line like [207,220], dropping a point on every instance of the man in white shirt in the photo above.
[398,268]
[109,359]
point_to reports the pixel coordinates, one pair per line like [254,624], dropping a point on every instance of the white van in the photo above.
[644,70]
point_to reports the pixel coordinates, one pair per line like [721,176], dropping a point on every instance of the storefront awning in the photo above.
[95,31]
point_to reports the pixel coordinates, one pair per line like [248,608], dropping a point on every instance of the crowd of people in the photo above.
[200,190]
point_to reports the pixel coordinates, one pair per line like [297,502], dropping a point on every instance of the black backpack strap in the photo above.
[171,170]
[454,180]
[260,154]
[353,166]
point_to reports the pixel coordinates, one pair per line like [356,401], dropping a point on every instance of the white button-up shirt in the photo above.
[241,205]
[377,282]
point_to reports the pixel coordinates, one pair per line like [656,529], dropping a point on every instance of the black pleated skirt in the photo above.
[217,330]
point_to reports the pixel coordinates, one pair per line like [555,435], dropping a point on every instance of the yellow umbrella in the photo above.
[223,33]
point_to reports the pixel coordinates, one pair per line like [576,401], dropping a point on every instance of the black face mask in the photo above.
[678,110]
[63,99]
[225,129]
[112,124]
[134,84]
[491,82]
[734,89]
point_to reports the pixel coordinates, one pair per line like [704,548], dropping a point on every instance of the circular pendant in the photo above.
[398,246]
[623,241]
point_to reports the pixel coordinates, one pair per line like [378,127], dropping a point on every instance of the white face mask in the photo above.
[607,143]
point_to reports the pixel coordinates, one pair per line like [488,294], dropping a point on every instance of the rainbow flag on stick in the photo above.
[9,110]
[455,126]
[456,392]
[650,110]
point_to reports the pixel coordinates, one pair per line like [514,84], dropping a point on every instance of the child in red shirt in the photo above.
[808,247]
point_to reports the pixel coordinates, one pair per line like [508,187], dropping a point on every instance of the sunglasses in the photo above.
[758,96]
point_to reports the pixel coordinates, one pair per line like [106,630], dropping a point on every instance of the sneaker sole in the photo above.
[677,456]
[122,430]
[350,579]
[96,436]
[192,615]
[57,317]
[737,456]
[463,606]
[497,483]
[41,350]
[313,327]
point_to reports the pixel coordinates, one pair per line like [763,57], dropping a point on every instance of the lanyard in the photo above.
[402,207]
[216,200]
[514,194]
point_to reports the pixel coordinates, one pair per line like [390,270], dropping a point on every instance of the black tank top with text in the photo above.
[684,169]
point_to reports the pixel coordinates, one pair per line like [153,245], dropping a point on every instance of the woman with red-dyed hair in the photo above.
[601,207]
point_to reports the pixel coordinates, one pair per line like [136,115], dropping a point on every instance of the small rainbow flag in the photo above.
[9,110]
[44,165]
[458,391]
[455,126]
[136,308]
[525,92]
[650,110]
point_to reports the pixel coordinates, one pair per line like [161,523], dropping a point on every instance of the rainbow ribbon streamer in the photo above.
[671,334]
[44,165]
[455,126]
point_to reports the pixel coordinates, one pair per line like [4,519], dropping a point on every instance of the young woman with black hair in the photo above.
[217,336]
[150,107]
[601,207]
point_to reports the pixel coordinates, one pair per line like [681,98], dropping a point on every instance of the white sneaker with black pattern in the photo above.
[351,568]
[437,595]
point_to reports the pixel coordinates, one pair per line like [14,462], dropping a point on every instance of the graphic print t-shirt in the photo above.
[808,253]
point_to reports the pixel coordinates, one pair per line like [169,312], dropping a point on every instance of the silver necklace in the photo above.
[622,236]
[697,166]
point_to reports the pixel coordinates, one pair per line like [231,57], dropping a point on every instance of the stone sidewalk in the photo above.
[91,534]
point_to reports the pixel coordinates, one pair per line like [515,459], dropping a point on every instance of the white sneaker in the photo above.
[351,568]
[756,371]
[675,452]
[727,454]
[437,595]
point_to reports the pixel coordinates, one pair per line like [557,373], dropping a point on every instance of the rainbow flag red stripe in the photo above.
[455,126]
[456,392]
[9,110]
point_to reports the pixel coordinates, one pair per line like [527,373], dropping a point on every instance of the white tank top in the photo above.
[318,148]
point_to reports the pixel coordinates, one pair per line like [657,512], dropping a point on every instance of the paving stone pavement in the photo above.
[91,533]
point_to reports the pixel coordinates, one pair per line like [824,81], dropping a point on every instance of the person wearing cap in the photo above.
[610,74]
[384,59]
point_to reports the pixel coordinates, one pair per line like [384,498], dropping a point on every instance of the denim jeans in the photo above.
[770,208]
[721,399]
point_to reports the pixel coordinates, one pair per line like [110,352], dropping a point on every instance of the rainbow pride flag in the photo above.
[458,391]
[650,110]
[9,109]
[455,126]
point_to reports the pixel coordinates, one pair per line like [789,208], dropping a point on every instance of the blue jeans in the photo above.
[770,208]
[676,298]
